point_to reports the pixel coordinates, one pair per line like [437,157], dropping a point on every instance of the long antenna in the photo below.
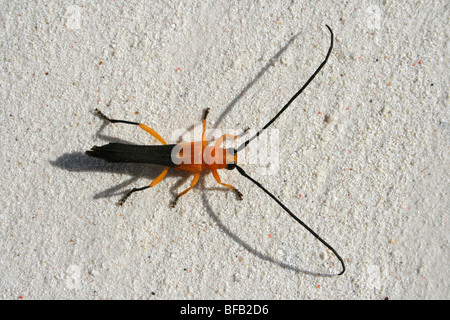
[243,145]
[241,171]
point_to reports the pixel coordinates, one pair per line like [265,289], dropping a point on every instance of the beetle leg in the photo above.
[194,182]
[216,176]
[152,184]
[142,126]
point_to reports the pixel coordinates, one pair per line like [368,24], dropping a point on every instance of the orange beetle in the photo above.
[191,156]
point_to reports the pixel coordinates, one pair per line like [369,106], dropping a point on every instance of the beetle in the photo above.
[193,157]
[197,157]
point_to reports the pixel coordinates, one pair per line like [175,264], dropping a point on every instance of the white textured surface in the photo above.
[373,177]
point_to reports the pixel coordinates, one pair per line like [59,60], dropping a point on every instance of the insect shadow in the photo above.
[80,162]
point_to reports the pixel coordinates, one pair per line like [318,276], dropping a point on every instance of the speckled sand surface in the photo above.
[362,156]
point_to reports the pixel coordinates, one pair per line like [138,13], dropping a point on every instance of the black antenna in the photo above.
[243,145]
[241,171]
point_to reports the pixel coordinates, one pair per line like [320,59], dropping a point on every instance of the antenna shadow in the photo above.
[269,64]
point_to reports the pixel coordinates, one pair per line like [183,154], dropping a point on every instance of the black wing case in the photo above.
[129,153]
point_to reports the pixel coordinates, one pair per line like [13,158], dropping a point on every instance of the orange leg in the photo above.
[159,178]
[194,182]
[152,132]
[222,138]
[216,176]
[152,184]
[142,126]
